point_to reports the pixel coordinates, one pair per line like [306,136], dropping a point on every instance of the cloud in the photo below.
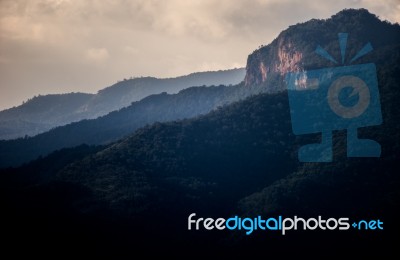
[50,46]
[131,50]
[19,28]
[97,55]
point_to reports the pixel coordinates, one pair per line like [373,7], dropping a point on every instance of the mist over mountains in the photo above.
[218,151]
[43,113]
[162,107]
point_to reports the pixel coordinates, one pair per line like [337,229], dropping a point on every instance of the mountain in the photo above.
[43,113]
[238,160]
[274,59]
[127,91]
[135,195]
[161,171]
[294,48]
[162,107]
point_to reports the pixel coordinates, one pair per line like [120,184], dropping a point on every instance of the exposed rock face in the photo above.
[288,59]
[294,48]
[263,71]
[277,58]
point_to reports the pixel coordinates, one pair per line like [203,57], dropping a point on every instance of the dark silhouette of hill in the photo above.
[43,113]
[162,107]
[136,194]
[167,169]
[292,50]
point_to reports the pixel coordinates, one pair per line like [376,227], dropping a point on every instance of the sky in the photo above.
[62,46]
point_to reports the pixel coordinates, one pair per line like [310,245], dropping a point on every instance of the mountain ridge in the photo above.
[238,160]
[178,107]
[290,51]
[162,107]
[43,112]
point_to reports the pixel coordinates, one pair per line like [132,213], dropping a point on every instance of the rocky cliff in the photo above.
[272,61]
[293,49]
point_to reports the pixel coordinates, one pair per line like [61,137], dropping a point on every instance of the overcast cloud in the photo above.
[58,46]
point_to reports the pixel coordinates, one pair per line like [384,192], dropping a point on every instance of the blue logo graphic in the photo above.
[336,98]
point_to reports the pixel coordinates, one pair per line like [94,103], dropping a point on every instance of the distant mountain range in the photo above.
[43,113]
[238,159]
[265,69]
[162,107]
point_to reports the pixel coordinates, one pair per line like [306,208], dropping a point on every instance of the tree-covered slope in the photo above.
[156,108]
[44,112]
[136,194]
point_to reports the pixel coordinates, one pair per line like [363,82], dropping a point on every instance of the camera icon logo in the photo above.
[336,98]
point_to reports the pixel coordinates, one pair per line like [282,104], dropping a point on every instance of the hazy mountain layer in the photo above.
[42,113]
[136,194]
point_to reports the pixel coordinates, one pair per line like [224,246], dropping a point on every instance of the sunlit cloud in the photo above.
[97,55]
[53,46]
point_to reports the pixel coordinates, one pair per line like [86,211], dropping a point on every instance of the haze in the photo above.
[56,46]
